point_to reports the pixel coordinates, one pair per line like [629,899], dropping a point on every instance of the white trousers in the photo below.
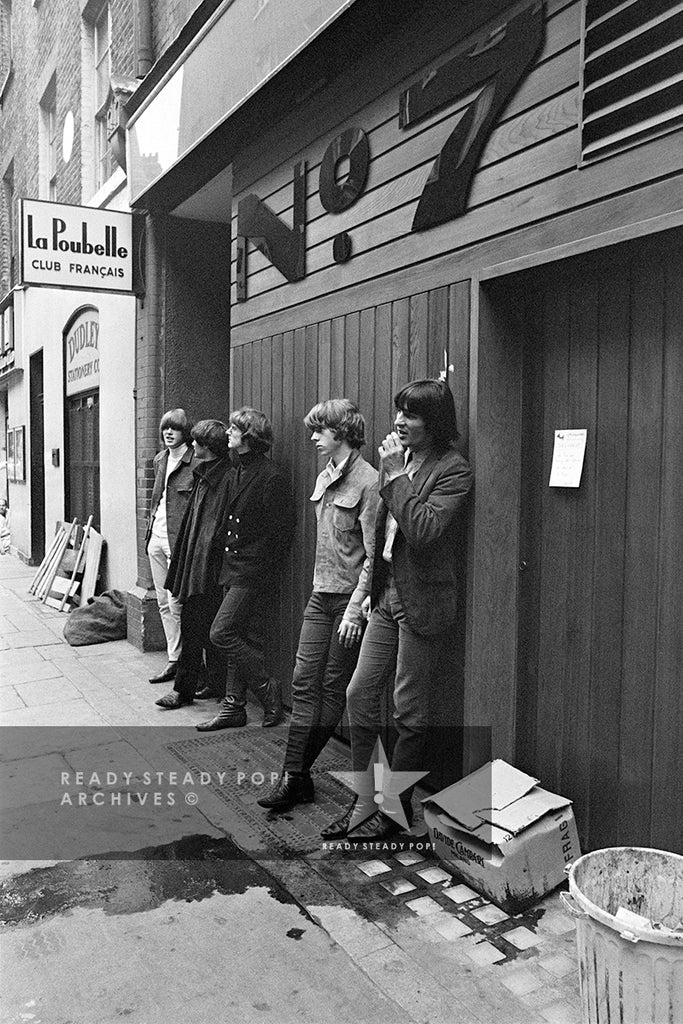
[159,555]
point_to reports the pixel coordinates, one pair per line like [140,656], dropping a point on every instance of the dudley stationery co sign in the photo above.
[76,247]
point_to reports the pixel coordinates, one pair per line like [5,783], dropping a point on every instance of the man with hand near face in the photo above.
[424,483]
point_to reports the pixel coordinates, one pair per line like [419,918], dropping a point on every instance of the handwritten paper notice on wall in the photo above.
[568,453]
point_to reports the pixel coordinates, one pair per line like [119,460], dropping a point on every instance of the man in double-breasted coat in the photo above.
[257,532]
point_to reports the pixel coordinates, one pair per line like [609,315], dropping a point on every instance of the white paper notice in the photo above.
[568,453]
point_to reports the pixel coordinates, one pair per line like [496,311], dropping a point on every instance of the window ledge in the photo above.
[112,186]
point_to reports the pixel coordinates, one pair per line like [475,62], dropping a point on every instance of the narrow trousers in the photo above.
[322,672]
[195,624]
[239,633]
[389,646]
[159,554]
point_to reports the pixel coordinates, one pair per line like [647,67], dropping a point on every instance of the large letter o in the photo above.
[336,196]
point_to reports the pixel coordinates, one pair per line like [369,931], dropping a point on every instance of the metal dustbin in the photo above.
[628,905]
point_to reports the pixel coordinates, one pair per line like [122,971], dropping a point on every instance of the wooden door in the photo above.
[37,457]
[600,661]
[83,417]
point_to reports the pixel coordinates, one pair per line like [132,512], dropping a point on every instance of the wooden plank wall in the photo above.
[529,174]
[535,141]
[366,356]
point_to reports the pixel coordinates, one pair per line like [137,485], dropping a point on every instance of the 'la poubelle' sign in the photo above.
[76,246]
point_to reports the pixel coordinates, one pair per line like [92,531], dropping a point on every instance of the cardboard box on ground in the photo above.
[503,835]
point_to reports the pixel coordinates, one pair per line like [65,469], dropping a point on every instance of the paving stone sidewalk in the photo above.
[435,948]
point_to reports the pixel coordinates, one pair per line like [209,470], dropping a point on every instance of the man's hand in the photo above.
[349,633]
[391,455]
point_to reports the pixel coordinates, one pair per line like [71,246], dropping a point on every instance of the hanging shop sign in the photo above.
[494,62]
[76,247]
[82,352]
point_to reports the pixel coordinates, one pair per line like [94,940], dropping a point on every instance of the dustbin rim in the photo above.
[664,937]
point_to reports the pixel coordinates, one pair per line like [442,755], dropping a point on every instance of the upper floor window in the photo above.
[104,161]
[48,143]
[633,73]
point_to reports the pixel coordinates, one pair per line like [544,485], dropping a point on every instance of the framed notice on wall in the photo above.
[20,454]
[10,454]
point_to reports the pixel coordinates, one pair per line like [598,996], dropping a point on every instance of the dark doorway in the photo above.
[37,461]
[83,458]
[600,594]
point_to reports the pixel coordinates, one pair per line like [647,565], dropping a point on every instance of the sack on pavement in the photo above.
[103,618]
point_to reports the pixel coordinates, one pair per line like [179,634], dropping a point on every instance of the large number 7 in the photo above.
[499,58]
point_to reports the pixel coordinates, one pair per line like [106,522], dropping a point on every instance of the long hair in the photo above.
[212,434]
[257,431]
[176,419]
[342,417]
[433,402]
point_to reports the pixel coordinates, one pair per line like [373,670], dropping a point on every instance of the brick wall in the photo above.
[46,40]
[168,17]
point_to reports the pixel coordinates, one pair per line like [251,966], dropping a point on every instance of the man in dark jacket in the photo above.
[195,565]
[257,533]
[424,483]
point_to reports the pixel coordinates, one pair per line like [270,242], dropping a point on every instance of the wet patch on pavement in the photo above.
[190,869]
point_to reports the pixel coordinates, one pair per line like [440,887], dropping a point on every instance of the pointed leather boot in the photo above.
[270,696]
[293,788]
[377,826]
[230,716]
[339,829]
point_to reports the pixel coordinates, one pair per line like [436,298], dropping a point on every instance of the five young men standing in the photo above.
[393,560]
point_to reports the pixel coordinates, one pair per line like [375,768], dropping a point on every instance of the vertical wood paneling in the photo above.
[256,356]
[351,356]
[642,517]
[366,363]
[667,785]
[379,411]
[324,339]
[337,381]
[532,485]
[437,334]
[582,403]
[267,375]
[459,356]
[608,576]
[554,555]
[604,635]
[247,366]
[419,328]
[236,376]
[400,345]
[492,636]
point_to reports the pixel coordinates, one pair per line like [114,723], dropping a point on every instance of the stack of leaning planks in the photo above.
[68,574]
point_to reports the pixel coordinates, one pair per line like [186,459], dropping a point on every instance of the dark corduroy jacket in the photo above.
[196,557]
[178,489]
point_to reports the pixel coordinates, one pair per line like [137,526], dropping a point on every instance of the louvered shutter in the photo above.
[633,73]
